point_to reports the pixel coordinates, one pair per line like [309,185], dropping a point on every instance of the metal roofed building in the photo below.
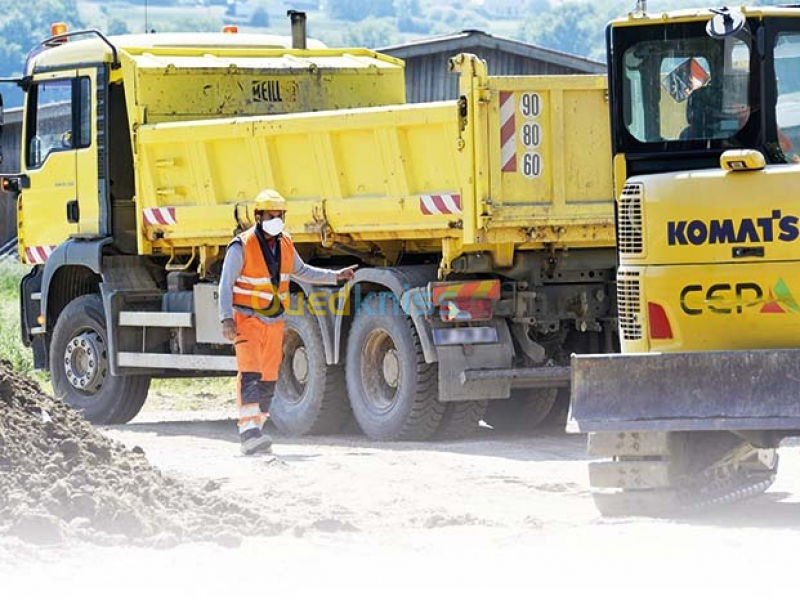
[427,77]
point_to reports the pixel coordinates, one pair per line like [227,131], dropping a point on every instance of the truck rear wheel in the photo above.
[460,419]
[524,411]
[79,366]
[664,473]
[393,391]
[310,397]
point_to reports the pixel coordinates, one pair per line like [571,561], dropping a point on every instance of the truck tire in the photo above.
[310,396]
[524,411]
[79,366]
[667,473]
[393,391]
[460,419]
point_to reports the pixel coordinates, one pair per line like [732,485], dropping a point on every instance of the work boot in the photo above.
[255,442]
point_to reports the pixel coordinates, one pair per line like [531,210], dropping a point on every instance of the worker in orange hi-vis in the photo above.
[253,295]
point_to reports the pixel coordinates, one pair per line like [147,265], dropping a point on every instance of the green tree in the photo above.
[195,22]
[447,19]
[22,27]
[116,26]
[410,17]
[408,24]
[356,10]
[537,7]
[260,17]
[370,33]
[576,27]
[407,8]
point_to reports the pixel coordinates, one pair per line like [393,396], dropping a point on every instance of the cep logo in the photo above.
[720,298]
[776,227]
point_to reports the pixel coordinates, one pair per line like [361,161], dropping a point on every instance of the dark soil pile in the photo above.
[60,478]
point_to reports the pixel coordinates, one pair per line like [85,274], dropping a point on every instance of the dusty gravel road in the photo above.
[496,516]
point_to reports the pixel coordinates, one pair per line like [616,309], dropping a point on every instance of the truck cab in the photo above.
[84,188]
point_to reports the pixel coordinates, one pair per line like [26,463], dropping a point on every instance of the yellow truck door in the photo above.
[90,198]
[55,140]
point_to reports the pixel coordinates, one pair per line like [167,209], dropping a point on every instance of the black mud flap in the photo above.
[697,391]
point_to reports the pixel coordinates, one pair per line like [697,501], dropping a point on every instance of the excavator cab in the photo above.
[678,92]
[705,117]
[706,247]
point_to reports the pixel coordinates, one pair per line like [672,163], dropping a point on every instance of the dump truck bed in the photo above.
[517,162]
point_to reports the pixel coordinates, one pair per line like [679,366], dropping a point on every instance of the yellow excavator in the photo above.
[705,113]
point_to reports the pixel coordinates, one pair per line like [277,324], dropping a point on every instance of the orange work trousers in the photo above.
[259,351]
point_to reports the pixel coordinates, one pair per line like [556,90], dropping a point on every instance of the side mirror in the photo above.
[725,22]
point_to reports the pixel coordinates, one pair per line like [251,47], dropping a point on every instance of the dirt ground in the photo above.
[495,516]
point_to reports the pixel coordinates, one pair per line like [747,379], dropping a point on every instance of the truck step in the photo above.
[183,362]
[154,319]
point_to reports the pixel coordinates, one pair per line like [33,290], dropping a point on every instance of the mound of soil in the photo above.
[61,478]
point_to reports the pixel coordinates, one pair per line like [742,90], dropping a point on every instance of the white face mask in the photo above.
[272,227]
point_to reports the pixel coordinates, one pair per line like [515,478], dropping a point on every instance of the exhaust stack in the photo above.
[298,20]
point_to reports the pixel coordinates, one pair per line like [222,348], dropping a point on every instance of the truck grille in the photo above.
[629,227]
[629,304]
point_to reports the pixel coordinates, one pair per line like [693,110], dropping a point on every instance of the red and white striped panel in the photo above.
[159,216]
[37,255]
[508,132]
[440,204]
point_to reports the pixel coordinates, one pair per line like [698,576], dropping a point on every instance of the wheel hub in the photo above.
[391,368]
[380,371]
[85,361]
[300,365]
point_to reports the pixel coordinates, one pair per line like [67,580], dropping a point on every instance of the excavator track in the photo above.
[670,474]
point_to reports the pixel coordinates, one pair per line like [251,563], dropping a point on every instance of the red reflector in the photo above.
[660,328]
[230,29]
[478,289]
[466,309]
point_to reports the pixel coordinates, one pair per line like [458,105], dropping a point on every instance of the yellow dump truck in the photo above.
[705,109]
[483,226]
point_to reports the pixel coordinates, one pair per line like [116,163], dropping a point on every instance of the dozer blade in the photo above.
[731,390]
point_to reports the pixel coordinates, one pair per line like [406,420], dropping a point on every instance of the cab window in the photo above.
[686,89]
[787,83]
[59,118]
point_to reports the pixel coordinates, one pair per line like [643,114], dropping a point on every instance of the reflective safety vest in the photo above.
[254,289]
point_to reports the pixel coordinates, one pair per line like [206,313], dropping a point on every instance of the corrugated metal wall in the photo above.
[428,80]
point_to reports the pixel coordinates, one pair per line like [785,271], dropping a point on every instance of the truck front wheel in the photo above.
[393,391]
[79,364]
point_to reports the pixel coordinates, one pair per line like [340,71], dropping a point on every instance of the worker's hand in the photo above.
[346,274]
[229,330]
